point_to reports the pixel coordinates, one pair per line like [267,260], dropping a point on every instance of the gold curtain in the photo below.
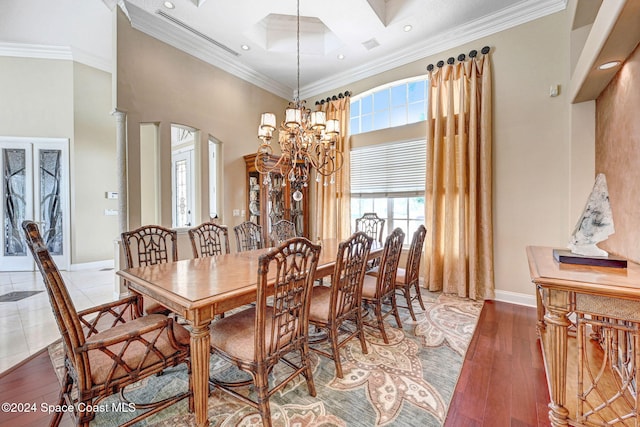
[458,210]
[332,201]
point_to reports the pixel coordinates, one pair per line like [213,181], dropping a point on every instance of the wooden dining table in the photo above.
[198,289]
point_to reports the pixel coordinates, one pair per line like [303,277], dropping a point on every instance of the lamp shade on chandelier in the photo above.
[307,141]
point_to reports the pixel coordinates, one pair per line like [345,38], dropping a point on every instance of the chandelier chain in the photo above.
[297,97]
[307,140]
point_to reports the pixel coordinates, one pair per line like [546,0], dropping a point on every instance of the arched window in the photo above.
[393,104]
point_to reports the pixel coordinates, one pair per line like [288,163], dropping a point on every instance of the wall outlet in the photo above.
[236,212]
[110,212]
[111,195]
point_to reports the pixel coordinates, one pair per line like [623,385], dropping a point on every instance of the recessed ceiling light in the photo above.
[407,28]
[340,56]
[245,47]
[608,65]
[169,5]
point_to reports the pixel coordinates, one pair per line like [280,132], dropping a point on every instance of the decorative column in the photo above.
[121,171]
[121,168]
[557,303]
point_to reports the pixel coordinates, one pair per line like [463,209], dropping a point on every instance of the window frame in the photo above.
[365,116]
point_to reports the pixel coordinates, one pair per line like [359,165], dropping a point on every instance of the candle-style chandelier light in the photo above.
[307,142]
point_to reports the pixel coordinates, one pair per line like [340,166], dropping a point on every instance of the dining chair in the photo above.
[108,347]
[281,231]
[372,225]
[380,289]
[333,306]
[248,236]
[258,338]
[150,245]
[208,239]
[409,277]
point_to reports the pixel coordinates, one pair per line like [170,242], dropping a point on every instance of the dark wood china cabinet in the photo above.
[270,199]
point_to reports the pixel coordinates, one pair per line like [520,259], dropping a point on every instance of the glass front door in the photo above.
[35,186]
[183,189]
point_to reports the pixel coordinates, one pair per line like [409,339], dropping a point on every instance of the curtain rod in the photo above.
[334,97]
[461,57]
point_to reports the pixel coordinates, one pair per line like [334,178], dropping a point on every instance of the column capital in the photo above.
[118,113]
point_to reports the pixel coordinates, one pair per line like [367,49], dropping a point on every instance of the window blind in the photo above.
[397,169]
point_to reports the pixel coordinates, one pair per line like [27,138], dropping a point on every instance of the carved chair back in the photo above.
[248,236]
[386,278]
[372,225]
[381,288]
[412,269]
[346,281]
[282,231]
[149,245]
[409,277]
[208,239]
[63,309]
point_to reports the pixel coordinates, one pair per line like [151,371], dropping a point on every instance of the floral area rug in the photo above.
[408,382]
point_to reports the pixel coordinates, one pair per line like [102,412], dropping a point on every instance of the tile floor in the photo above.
[27,326]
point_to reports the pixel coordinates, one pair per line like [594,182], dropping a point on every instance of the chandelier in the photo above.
[307,141]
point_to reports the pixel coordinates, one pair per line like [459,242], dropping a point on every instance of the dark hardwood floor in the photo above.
[502,382]
[32,382]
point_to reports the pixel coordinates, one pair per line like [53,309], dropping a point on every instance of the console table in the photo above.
[588,324]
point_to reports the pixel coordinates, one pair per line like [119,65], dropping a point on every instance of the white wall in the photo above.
[63,99]
[93,167]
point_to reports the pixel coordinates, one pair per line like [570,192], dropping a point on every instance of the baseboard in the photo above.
[96,265]
[28,359]
[515,298]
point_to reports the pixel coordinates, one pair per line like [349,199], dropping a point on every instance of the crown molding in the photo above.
[509,17]
[213,55]
[179,38]
[37,51]
[65,53]
[506,18]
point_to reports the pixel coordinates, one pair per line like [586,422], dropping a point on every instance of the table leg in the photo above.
[200,341]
